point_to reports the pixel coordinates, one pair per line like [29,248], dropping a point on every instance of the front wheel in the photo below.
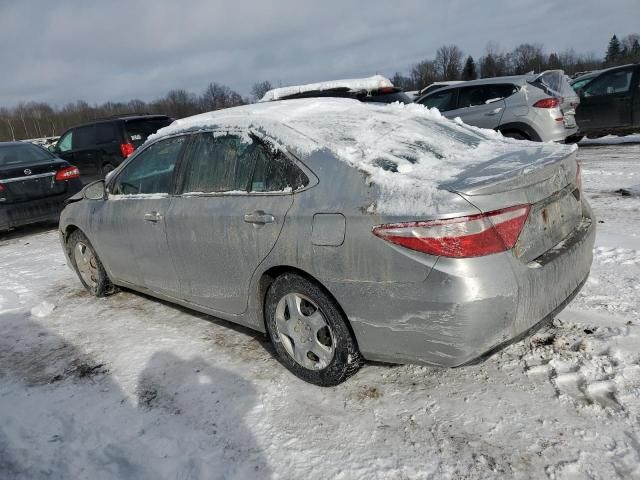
[309,332]
[88,266]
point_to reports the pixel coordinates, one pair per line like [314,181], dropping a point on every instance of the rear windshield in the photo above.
[139,130]
[22,154]
[395,96]
[554,83]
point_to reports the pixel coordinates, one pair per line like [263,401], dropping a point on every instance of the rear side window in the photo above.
[139,130]
[151,171]
[483,94]
[228,163]
[106,133]
[443,101]
[84,137]
[610,83]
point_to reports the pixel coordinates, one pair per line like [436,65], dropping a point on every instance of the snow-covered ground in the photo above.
[131,387]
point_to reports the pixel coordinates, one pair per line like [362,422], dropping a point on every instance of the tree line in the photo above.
[40,119]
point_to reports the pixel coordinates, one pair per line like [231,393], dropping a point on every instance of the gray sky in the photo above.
[63,50]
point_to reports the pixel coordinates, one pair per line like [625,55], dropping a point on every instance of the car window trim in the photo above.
[313,179]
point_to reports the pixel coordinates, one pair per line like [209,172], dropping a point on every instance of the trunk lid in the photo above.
[543,176]
[556,84]
[31,181]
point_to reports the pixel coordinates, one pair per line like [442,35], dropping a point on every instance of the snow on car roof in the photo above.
[369,84]
[409,151]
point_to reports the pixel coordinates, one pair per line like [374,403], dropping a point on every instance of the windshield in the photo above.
[17,154]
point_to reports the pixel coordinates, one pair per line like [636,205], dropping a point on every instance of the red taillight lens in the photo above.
[547,103]
[462,237]
[127,149]
[68,173]
[1,188]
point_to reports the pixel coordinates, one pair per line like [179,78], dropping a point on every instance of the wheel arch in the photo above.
[522,128]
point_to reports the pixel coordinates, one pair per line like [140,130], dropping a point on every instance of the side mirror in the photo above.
[95,191]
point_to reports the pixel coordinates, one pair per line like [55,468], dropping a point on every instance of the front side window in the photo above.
[443,101]
[64,144]
[151,171]
[610,83]
[229,163]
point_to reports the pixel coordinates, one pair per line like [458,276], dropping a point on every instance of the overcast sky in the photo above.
[63,50]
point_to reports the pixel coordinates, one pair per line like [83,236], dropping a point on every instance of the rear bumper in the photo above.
[32,211]
[467,307]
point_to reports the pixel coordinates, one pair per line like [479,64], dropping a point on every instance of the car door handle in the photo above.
[259,217]
[495,111]
[152,217]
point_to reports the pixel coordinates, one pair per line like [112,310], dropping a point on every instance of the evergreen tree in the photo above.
[469,70]
[613,51]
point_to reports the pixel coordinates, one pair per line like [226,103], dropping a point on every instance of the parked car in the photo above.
[527,107]
[345,230]
[377,89]
[609,102]
[33,184]
[98,147]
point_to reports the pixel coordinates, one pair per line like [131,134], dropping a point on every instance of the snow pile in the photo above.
[369,84]
[409,151]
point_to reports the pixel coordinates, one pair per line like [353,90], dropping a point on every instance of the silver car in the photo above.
[529,107]
[344,230]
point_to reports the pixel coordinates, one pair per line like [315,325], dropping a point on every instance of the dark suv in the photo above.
[98,147]
[609,102]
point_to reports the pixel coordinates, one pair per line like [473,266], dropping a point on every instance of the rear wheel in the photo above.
[107,168]
[88,266]
[573,139]
[309,332]
[515,134]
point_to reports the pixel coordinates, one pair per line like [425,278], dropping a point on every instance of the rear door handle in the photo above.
[152,217]
[495,111]
[259,217]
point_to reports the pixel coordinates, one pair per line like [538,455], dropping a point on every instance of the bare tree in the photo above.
[259,89]
[528,57]
[449,62]
[424,73]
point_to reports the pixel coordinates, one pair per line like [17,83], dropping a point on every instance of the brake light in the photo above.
[547,103]
[384,90]
[1,188]
[127,149]
[68,173]
[462,237]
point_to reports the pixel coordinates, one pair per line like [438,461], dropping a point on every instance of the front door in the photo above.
[130,226]
[606,102]
[236,192]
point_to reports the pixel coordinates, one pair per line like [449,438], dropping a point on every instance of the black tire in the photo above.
[106,168]
[346,357]
[515,134]
[573,139]
[101,286]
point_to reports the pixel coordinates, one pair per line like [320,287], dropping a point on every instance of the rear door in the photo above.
[636,98]
[606,102]
[482,105]
[236,193]
[85,150]
[129,227]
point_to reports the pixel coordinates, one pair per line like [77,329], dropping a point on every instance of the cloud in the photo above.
[98,51]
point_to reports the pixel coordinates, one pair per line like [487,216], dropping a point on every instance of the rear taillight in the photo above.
[127,149]
[462,237]
[1,188]
[68,173]
[547,103]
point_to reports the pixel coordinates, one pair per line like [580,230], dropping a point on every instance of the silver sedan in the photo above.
[345,231]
